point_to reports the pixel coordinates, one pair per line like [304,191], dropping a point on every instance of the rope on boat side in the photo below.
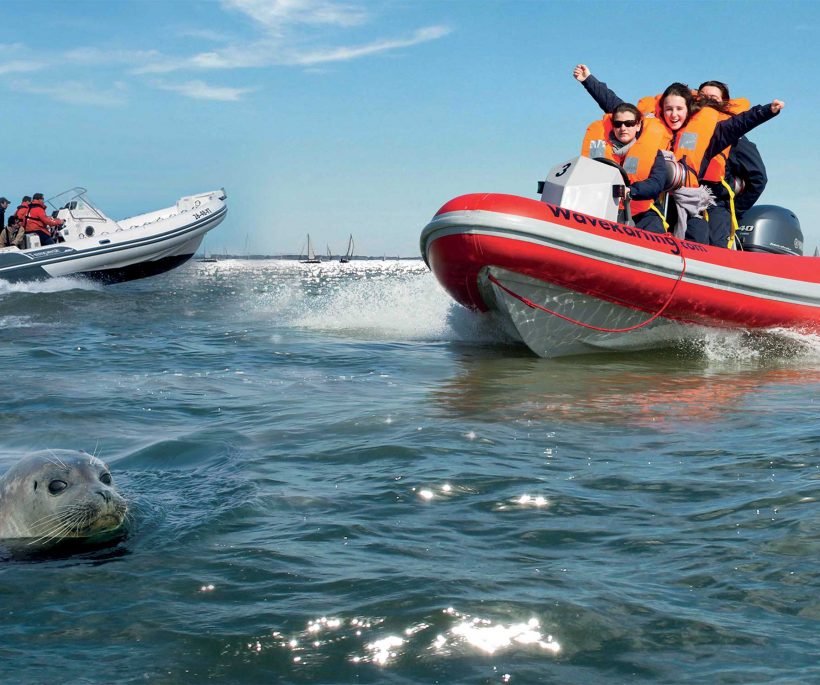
[535,305]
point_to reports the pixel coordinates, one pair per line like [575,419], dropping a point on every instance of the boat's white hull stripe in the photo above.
[637,257]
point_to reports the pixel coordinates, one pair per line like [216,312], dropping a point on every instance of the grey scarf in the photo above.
[690,202]
[620,149]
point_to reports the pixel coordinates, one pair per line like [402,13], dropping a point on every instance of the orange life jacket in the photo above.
[36,218]
[650,106]
[22,210]
[639,158]
[690,142]
[716,171]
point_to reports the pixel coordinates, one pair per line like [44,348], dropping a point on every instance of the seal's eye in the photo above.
[55,487]
[105,478]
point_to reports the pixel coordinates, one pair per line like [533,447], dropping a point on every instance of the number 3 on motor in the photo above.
[564,169]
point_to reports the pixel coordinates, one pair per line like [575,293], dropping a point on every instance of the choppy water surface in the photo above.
[337,475]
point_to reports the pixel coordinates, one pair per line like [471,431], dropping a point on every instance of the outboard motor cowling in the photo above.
[585,185]
[769,228]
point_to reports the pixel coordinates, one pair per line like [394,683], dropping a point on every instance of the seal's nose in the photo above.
[105,495]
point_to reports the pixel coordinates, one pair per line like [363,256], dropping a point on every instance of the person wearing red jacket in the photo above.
[22,208]
[38,221]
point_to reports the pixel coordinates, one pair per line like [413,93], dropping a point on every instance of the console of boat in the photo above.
[97,247]
[568,274]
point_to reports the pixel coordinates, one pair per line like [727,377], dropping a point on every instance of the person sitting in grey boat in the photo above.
[4,205]
[13,235]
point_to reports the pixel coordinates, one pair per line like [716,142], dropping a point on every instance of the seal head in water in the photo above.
[57,495]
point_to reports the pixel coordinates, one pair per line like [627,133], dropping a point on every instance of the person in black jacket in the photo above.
[744,160]
[4,205]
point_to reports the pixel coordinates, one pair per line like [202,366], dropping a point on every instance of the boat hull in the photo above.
[531,263]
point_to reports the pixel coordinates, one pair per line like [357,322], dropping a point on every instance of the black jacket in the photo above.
[745,162]
[654,184]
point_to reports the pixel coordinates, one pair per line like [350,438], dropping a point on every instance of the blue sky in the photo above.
[364,117]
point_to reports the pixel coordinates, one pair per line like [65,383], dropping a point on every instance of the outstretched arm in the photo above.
[731,130]
[607,100]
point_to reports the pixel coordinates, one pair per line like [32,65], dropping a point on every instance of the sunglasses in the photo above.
[629,122]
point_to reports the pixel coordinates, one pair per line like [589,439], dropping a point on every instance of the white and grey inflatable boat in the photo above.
[99,248]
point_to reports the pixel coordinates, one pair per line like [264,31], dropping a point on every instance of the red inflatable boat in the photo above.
[567,282]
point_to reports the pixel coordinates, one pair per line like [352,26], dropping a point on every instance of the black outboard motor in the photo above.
[769,228]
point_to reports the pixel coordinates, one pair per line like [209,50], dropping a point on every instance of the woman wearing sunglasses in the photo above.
[698,134]
[634,143]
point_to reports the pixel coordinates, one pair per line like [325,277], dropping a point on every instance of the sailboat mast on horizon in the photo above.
[311,254]
[348,255]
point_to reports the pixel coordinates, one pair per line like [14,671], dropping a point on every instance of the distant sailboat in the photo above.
[348,255]
[329,255]
[205,257]
[311,254]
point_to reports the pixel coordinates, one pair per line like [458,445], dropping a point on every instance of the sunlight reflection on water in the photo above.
[461,634]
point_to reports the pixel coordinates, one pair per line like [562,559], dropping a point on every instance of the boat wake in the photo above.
[718,345]
[402,301]
[396,301]
[412,307]
[51,285]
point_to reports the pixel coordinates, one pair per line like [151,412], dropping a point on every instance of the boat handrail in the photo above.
[72,200]
[75,192]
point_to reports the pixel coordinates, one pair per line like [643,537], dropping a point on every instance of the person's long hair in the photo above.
[682,90]
[724,107]
[720,85]
[704,101]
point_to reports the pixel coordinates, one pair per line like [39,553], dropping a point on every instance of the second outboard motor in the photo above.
[769,228]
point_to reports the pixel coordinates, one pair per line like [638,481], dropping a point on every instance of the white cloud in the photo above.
[270,53]
[20,66]
[16,58]
[347,53]
[77,93]
[89,56]
[199,90]
[274,15]
[203,34]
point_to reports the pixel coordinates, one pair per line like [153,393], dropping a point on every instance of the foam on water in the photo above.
[393,300]
[721,346]
[7,322]
[51,285]
[412,307]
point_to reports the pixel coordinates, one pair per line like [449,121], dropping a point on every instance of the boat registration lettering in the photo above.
[204,212]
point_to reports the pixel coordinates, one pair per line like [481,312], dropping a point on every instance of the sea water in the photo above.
[338,475]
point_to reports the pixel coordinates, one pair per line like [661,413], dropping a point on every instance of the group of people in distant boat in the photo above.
[29,219]
[701,135]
